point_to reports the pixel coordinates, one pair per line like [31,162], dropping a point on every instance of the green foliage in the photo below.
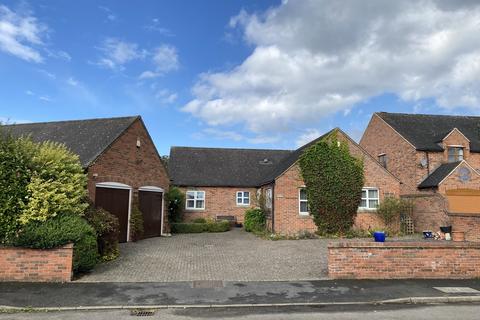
[220,226]
[136,223]
[192,227]
[254,220]
[15,173]
[391,208]
[107,229]
[334,181]
[58,184]
[199,220]
[61,230]
[176,203]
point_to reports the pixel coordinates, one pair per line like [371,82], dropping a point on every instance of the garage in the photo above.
[151,206]
[115,198]
[463,200]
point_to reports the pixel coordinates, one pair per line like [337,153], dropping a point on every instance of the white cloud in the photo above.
[29,93]
[307,136]
[71,81]
[45,98]
[110,15]
[47,74]
[21,35]
[116,53]
[165,59]
[59,54]
[165,96]
[154,25]
[220,134]
[314,58]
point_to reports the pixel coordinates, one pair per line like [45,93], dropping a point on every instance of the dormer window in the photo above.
[455,153]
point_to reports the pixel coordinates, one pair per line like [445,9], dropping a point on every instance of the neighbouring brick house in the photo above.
[220,182]
[437,158]
[121,161]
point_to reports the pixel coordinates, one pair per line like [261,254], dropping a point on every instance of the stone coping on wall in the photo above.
[410,244]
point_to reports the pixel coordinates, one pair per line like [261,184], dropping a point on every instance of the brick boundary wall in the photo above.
[404,260]
[36,265]
[470,224]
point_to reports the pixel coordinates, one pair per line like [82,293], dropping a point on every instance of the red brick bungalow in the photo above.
[121,161]
[437,158]
[220,182]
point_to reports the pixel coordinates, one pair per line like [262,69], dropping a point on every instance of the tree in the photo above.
[334,181]
[175,201]
[57,185]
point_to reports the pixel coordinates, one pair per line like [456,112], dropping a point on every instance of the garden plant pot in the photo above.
[458,236]
[379,236]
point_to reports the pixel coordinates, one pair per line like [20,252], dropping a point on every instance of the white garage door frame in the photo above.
[156,189]
[118,185]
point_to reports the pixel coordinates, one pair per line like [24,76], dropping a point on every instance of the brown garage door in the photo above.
[464,200]
[151,207]
[115,201]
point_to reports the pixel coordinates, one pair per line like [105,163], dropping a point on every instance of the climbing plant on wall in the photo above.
[334,181]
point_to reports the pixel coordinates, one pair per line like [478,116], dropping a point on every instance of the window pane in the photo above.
[190,194]
[363,204]
[246,201]
[303,194]
[364,194]
[451,158]
[373,204]
[200,194]
[246,194]
[303,206]
[451,151]
[199,204]
[190,203]
[373,194]
[239,194]
[239,200]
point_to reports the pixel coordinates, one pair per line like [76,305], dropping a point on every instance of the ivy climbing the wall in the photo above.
[334,181]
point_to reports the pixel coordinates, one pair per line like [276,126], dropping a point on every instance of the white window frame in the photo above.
[300,212]
[269,198]
[367,199]
[241,195]
[459,154]
[195,199]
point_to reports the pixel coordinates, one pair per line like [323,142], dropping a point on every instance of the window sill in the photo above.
[243,205]
[193,209]
[304,216]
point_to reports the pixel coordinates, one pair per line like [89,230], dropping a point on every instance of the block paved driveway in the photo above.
[231,256]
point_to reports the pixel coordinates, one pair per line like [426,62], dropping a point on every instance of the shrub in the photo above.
[58,184]
[334,181]
[107,229]
[184,227]
[15,172]
[254,220]
[195,227]
[391,208]
[136,223]
[220,226]
[176,202]
[61,230]
[199,220]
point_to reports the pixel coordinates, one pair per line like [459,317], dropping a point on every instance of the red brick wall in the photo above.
[380,138]
[125,163]
[404,260]
[34,265]
[286,215]
[430,211]
[470,224]
[220,201]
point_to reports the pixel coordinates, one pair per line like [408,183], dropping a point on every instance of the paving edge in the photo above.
[409,300]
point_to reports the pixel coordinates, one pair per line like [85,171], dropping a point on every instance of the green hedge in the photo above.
[107,228]
[193,227]
[255,220]
[59,231]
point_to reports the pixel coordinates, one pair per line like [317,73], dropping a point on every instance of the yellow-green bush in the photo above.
[57,185]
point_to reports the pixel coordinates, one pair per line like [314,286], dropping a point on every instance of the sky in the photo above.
[247,74]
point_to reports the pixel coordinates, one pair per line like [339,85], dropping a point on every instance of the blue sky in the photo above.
[260,74]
